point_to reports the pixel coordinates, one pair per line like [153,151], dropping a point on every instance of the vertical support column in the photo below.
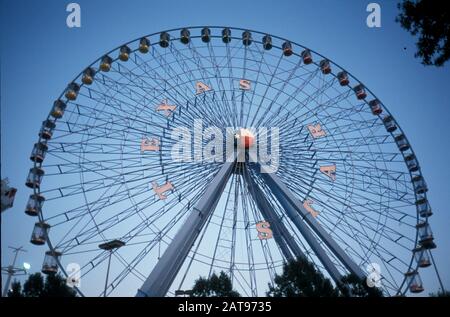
[293,204]
[281,235]
[165,271]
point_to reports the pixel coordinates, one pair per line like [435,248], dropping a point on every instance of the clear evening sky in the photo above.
[40,55]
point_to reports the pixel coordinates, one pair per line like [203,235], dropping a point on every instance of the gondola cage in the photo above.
[164,39]
[425,235]
[414,282]
[47,129]
[72,91]
[34,205]
[226,35]
[287,48]
[206,35]
[411,162]
[307,57]
[105,63]
[34,178]
[424,208]
[247,38]
[40,232]
[267,42]
[50,265]
[343,78]
[402,143]
[325,66]
[375,107]
[124,53]
[58,109]
[360,91]
[185,36]
[419,184]
[389,123]
[422,257]
[38,152]
[144,45]
[88,76]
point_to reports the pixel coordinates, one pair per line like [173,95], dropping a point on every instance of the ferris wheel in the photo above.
[347,191]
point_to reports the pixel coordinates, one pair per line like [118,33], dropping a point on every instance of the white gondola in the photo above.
[34,178]
[144,45]
[105,63]
[343,78]
[40,233]
[307,57]
[185,36]
[50,265]
[226,35]
[38,152]
[414,282]
[411,162]
[247,38]
[124,53]
[58,109]
[34,205]
[267,42]
[72,91]
[424,208]
[287,48]
[402,143]
[425,235]
[88,76]
[47,129]
[360,91]
[419,184]
[325,66]
[375,107]
[206,35]
[164,39]
[422,257]
[389,123]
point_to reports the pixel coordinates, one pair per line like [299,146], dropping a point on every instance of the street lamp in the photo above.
[11,270]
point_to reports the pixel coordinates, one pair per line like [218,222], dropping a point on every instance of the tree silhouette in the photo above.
[301,279]
[355,287]
[34,286]
[441,294]
[215,286]
[430,20]
[16,289]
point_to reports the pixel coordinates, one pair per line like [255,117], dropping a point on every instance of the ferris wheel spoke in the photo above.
[362,177]
[272,77]
[304,188]
[300,89]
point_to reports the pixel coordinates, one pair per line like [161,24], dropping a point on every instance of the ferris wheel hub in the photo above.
[245,138]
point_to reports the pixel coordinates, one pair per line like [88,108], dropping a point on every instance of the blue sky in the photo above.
[40,54]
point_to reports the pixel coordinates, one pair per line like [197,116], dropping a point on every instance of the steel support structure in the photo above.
[165,271]
[300,217]
[282,236]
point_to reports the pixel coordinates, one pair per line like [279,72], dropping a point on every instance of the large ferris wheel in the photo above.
[347,193]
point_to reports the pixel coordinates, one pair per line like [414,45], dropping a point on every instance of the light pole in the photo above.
[110,246]
[11,270]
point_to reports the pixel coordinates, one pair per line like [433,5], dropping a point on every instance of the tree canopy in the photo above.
[214,286]
[300,278]
[430,21]
[35,286]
